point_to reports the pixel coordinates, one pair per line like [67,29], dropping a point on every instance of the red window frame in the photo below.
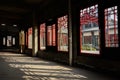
[111,27]
[30,38]
[62,33]
[42,36]
[26,38]
[89,29]
[51,35]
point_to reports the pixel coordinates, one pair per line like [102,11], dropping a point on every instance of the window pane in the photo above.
[111,27]
[89,30]
[30,38]
[63,33]
[42,37]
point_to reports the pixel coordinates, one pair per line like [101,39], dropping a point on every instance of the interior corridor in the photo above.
[14,66]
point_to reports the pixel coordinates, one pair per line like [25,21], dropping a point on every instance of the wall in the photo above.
[108,60]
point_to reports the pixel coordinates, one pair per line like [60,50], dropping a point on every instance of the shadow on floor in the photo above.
[22,67]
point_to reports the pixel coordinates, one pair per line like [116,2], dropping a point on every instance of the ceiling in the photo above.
[21,11]
[14,11]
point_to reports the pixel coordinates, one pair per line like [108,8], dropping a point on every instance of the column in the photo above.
[22,41]
[70,32]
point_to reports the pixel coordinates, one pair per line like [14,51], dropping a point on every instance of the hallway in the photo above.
[21,67]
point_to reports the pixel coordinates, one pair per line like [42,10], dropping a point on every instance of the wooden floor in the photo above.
[15,66]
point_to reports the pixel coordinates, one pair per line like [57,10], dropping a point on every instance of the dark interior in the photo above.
[29,13]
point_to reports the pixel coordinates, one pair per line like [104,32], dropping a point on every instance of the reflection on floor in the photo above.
[21,67]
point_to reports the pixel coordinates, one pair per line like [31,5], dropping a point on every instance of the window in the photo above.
[54,35]
[9,40]
[30,38]
[51,35]
[111,27]
[22,38]
[42,37]
[4,42]
[26,39]
[63,33]
[89,30]
[13,40]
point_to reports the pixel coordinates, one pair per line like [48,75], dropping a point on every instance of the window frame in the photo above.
[66,24]
[44,34]
[114,25]
[52,29]
[96,21]
[30,31]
